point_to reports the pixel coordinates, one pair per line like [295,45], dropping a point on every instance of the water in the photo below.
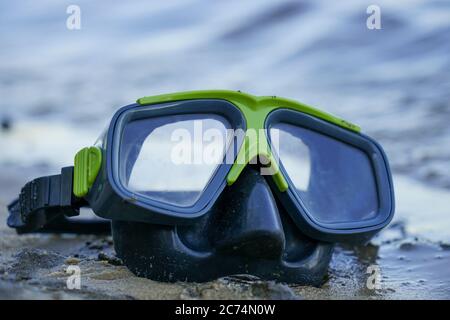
[59,88]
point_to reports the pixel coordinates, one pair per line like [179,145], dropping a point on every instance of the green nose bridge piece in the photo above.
[255,110]
[87,164]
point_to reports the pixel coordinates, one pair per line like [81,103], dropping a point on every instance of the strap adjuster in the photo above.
[42,200]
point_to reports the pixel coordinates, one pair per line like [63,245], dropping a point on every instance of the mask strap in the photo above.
[45,203]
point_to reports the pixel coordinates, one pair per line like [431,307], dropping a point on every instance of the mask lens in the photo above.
[334,180]
[171,159]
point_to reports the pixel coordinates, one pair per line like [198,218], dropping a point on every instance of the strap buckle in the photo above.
[42,200]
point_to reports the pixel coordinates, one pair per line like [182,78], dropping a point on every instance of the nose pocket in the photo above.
[249,223]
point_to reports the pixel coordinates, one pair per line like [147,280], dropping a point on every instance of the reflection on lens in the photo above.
[334,180]
[172,159]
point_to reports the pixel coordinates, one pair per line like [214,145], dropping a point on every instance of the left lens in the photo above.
[171,159]
[335,181]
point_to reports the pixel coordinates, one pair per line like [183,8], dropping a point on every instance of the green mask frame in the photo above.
[255,110]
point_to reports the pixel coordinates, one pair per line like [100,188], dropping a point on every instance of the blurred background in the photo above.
[60,87]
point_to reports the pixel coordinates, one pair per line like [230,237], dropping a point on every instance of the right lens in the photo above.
[334,180]
[172,158]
